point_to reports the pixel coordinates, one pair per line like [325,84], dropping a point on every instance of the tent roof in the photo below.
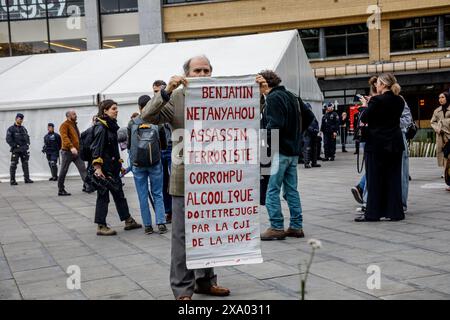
[75,79]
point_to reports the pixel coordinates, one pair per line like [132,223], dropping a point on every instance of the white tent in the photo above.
[44,87]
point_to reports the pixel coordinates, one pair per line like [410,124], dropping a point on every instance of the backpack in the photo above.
[86,139]
[145,148]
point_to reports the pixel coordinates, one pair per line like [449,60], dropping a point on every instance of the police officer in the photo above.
[52,145]
[310,143]
[330,127]
[18,139]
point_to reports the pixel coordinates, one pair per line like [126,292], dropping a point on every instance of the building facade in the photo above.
[346,40]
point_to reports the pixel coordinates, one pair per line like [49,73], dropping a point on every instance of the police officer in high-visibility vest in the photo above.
[52,145]
[18,139]
[330,128]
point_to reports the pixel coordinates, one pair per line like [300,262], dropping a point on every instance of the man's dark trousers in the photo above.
[66,159]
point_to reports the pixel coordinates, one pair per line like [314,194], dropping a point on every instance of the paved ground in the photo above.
[42,234]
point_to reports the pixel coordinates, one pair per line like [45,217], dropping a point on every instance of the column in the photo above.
[93,24]
[151,21]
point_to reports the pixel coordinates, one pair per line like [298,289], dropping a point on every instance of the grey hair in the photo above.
[187,64]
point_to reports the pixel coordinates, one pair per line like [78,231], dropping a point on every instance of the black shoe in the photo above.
[88,190]
[63,193]
[162,228]
[325,159]
[307,166]
[148,230]
[169,218]
[14,183]
[315,165]
[332,159]
[356,152]
[358,194]
[344,151]
[396,219]
[29,181]
[364,219]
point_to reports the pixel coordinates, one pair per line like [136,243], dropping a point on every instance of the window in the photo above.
[120,41]
[310,40]
[338,41]
[181,1]
[347,40]
[414,34]
[447,31]
[118,6]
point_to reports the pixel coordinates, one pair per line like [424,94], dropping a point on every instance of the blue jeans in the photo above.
[284,174]
[142,176]
[405,174]
[363,185]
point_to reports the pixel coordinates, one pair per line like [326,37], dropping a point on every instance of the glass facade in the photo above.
[41,26]
[447,31]
[120,41]
[419,33]
[181,1]
[38,9]
[118,6]
[48,26]
[338,41]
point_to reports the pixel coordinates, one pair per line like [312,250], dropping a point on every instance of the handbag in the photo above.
[446,149]
[411,131]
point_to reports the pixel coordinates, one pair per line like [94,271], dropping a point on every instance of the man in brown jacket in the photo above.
[70,136]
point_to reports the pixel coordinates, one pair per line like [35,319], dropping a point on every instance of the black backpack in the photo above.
[145,148]
[86,139]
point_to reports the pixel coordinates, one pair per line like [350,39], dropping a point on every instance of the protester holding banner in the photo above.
[283,113]
[168,106]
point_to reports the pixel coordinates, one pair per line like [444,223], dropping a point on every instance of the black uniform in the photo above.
[310,144]
[18,139]
[52,145]
[330,125]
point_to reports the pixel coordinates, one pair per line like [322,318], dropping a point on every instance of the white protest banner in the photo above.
[222,173]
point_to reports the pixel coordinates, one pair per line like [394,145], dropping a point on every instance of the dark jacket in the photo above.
[105,147]
[383,119]
[313,129]
[18,139]
[52,143]
[330,122]
[345,123]
[282,112]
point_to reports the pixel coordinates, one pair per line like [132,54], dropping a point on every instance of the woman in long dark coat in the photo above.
[384,148]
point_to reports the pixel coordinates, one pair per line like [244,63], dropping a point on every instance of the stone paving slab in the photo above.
[41,235]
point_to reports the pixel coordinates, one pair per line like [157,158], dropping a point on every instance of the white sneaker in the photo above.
[360,210]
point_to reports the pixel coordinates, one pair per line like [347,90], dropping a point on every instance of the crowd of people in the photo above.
[384,122]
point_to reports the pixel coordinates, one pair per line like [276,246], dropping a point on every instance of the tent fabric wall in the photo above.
[43,87]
